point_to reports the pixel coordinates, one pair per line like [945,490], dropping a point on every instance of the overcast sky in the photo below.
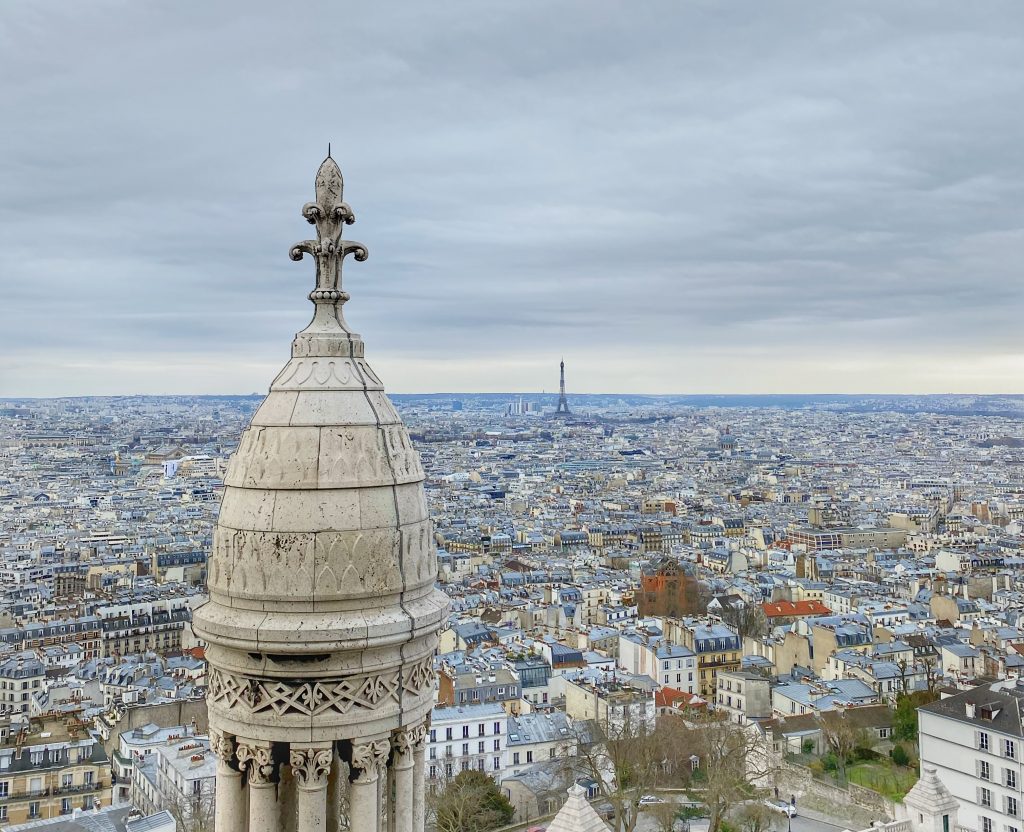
[677,197]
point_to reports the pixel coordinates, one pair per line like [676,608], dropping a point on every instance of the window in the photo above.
[433,772]
[65,780]
[88,777]
[1011,806]
[465,765]
[65,806]
[33,809]
[465,749]
[447,733]
[983,741]
[481,729]
[529,756]
[448,769]
[433,735]
[3,813]
[985,796]
[515,758]
[497,727]
[1009,749]
[497,745]
[480,764]
[465,731]
[480,747]
[984,770]
[986,824]
[433,753]
[1011,778]
[497,763]
[5,786]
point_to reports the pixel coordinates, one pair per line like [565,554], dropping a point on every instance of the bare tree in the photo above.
[843,737]
[746,619]
[627,761]
[665,815]
[192,813]
[732,760]
[754,817]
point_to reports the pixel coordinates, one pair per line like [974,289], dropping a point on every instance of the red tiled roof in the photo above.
[794,608]
[672,698]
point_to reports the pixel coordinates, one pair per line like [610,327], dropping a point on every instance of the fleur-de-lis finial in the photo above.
[330,214]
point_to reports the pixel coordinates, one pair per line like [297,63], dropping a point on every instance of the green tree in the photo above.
[471,802]
[899,755]
[904,721]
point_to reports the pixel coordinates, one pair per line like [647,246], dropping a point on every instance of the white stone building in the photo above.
[467,737]
[975,742]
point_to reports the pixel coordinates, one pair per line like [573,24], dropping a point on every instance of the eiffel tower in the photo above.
[563,404]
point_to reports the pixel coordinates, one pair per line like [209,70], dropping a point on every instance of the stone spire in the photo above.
[323,616]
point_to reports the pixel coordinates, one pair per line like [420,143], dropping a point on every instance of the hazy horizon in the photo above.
[736,199]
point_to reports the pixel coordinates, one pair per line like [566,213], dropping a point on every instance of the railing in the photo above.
[35,794]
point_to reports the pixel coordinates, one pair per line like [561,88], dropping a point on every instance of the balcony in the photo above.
[82,788]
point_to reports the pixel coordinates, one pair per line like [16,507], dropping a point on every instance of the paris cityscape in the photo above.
[780,567]
[649,456]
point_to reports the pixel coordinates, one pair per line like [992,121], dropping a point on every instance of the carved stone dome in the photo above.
[323,615]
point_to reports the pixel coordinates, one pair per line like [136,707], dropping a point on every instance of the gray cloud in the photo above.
[677,197]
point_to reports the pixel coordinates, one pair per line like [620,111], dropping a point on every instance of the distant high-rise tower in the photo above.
[563,404]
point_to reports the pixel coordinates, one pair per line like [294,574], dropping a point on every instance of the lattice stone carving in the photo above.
[341,696]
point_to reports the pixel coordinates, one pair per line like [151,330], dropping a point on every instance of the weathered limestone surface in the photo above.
[323,616]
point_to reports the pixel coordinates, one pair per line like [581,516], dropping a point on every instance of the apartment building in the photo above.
[466,737]
[22,675]
[975,742]
[744,696]
[136,627]
[667,664]
[717,647]
[50,767]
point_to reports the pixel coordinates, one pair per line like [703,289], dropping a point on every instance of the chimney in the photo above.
[970,710]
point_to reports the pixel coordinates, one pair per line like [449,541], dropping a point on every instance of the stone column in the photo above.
[404,743]
[335,791]
[258,762]
[364,798]
[311,768]
[232,806]
[286,799]
[419,776]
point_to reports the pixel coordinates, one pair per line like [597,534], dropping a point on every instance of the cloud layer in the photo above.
[676,197]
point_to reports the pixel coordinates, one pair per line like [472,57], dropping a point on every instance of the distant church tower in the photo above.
[323,616]
[563,403]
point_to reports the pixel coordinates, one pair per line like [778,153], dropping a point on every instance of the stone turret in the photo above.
[323,616]
[930,806]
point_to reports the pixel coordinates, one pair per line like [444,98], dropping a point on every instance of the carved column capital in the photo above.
[405,741]
[256,761]
[311,766]
[370,756]
[222,746]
